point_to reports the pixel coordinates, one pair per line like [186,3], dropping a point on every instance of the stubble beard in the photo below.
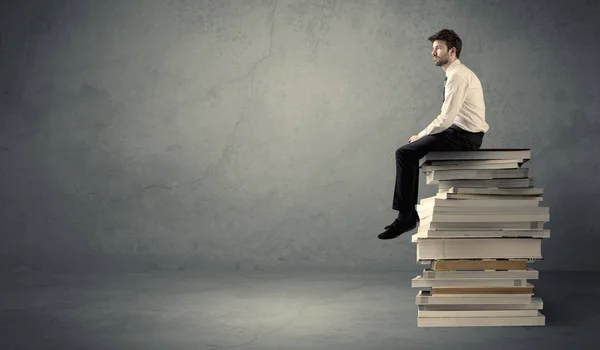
[441,61]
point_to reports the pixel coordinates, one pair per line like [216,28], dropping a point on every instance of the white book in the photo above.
[452,217]
[429,168]
[536,303]
[481,154]
[531,191]
[482,214]
[445,185]
[477,210]
[438,175]
[471,162]
[424,213]
[479,248]
[422,312]
[425,298]
[467,165]
[493,203]
[459,233]
[427,224]
[481,274]
[429,262]
[463,196]
[422,282]
[517,321]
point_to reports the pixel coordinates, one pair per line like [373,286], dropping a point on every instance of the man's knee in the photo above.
[404,152]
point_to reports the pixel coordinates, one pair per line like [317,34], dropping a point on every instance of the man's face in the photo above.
[440,53]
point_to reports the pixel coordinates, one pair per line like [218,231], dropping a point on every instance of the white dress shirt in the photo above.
[463,102]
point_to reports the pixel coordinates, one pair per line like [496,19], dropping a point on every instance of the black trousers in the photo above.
[407,162]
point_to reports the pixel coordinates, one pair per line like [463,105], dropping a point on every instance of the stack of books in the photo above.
[478,234]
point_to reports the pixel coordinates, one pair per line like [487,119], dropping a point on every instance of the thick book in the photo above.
[536,303]
[476,210]
[426,298]
[433,177]
[494,197]
[422,312]
[458,233]
[440,201]
[430,274]
[532,191]
[459,215]
[445,185]
[428,224]
[462,291]
[472,164]
[479,248]
[468,265]
[481,154]
[423,282]
[485,321]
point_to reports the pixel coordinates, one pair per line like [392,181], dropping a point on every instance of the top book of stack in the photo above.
[482,154]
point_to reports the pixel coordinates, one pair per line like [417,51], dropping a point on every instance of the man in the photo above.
[460,126]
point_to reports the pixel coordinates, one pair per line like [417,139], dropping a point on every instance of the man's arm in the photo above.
[456,90]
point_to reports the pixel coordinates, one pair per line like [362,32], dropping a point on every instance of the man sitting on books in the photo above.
[459,127]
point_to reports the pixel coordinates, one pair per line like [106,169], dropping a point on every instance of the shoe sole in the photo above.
[399,234]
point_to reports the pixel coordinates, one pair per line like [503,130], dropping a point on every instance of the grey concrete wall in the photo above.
[178,134]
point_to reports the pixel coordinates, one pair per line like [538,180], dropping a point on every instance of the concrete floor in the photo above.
[267,310]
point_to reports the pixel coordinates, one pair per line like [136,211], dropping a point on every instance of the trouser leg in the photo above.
[407,163]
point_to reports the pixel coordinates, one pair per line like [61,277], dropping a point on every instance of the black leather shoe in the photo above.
[396,221]
[393,223]
[397,228]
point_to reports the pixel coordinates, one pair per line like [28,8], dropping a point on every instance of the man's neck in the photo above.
[450,61]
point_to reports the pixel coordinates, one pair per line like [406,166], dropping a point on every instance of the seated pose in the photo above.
[459,127]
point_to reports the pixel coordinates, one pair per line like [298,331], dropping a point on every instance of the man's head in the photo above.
[446,47]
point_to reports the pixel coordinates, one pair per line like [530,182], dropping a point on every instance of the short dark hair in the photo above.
[450,37]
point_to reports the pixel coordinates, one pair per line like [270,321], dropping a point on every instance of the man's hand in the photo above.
[413,138]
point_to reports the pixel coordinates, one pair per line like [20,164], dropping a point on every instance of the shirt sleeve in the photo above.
[456,90]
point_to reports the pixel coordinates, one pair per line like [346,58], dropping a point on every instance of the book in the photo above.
[480,265]
[481,154]
[502,272]
[487,183]
[422,282]
[478,234]
[427,298]
[479,248]
[434,176]
[427,223]
[471,165]
[495,320]
[534,303]
[495,191]
[482,290]
[425,232]
[491,202]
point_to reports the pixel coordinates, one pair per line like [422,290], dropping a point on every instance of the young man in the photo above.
[459,127]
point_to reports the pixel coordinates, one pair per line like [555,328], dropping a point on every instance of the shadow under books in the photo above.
[570,298]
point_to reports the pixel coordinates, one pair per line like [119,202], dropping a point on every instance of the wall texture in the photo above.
[249,134]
